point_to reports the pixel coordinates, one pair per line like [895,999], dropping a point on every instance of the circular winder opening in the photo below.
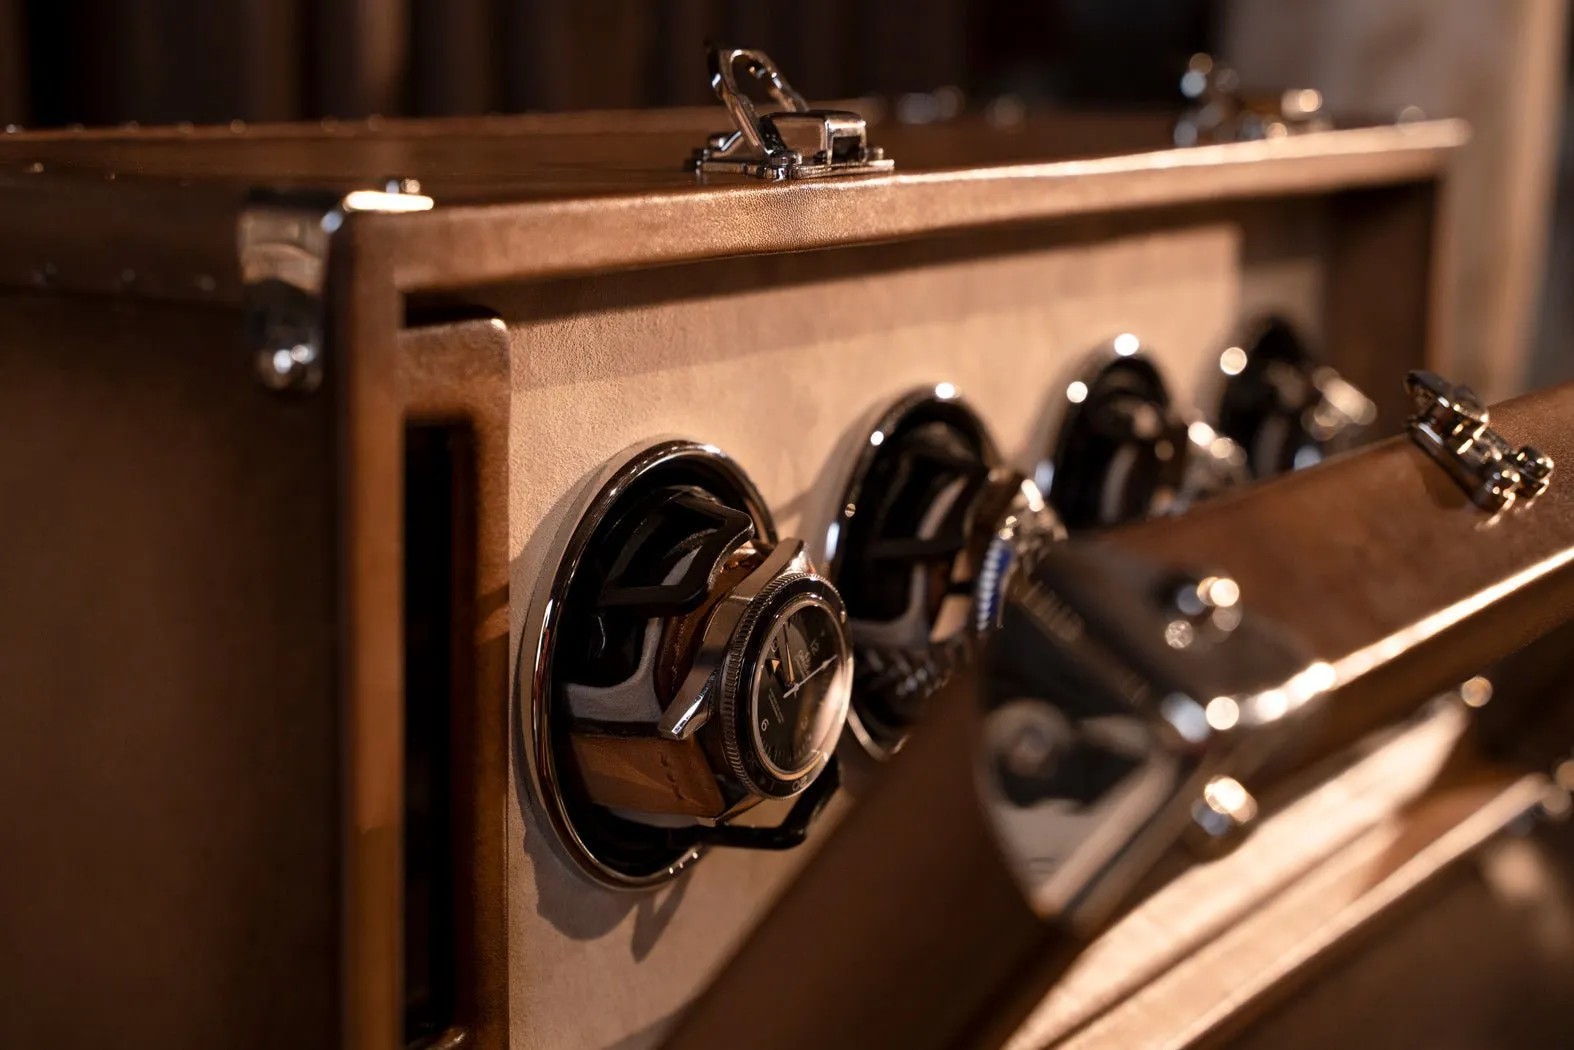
[616,564]
[1120,452]
[929,527]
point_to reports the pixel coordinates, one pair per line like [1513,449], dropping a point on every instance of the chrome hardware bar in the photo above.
[796,143]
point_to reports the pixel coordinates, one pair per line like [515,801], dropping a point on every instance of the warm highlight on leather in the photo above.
[647,773]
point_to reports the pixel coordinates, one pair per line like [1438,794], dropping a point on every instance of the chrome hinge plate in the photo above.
[284,243]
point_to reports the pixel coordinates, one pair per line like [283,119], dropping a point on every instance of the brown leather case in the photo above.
[201,581]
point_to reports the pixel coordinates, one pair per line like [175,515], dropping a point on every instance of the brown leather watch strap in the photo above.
[647,773]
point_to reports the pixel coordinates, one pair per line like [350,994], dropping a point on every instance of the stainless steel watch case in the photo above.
[725,671]
[781,597]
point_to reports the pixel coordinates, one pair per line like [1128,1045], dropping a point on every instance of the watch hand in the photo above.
[800,683]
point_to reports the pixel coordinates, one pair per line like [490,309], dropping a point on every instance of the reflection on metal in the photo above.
[1195,955]
[1221,112]
[1177,695]
[1284,407]
[1120,449]
[1124,451]
[1225,810]
[1476,692]
[796,143]
[1214,464]
[1162,714]
[1450,425]
[932,527]
[1156,717]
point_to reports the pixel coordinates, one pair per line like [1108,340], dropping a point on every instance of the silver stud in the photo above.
[294,368]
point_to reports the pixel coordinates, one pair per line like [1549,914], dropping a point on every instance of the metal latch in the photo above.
[1450,424]
[797,143]
[1219,111]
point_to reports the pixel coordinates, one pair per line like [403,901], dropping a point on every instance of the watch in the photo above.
[932,525]
[1282,405]
[1125,451]
[690,666]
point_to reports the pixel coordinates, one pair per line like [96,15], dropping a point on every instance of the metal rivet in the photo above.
[1563,773]
[1221,817]
[206,284]
[128,277]
[1476,692]
[294,368]
[36,167]
[1031,751]
[237,126]
[1535,470]
[185,127]
[1555,804]
[12,129]
[1029,740]
[45,275]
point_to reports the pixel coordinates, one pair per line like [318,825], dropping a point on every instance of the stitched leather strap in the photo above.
[647,773]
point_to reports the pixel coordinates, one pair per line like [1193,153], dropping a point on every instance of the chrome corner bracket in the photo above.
[283,242]
[796,143]
[1451,426]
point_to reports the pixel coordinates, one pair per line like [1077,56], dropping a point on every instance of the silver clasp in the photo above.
[1450,424]
[797,143]
[1221,112]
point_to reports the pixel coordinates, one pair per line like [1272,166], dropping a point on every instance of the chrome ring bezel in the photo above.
[1065,413]
[948,405]
[741,682]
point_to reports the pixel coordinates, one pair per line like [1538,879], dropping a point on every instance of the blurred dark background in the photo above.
[98,62]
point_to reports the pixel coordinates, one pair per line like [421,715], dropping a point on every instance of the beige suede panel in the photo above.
[780,361]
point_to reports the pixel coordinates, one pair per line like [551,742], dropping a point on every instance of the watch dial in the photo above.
[801,689]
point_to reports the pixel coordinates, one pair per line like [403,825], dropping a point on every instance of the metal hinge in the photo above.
[1220,111]
[1450,424]
[284,243]
[798,143]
